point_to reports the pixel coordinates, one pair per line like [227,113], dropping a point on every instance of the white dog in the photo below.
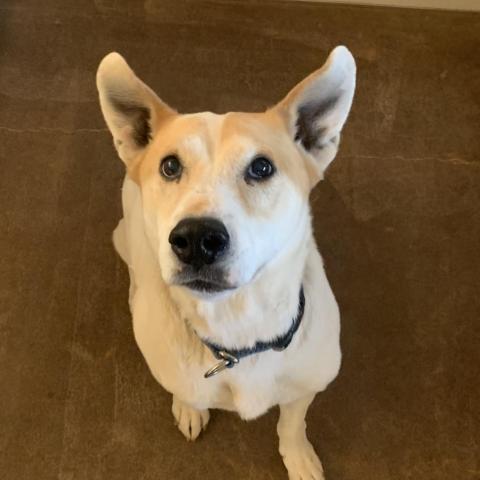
[230,303]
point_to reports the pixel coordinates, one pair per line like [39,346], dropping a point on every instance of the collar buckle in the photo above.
[227,361]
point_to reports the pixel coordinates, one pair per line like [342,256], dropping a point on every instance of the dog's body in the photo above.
[177,357]
[257,254]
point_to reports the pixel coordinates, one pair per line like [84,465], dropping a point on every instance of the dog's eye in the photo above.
[259,169]
[171,168]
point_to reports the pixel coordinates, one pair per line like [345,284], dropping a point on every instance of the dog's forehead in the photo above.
[203,123]
[199,133]
[206,134]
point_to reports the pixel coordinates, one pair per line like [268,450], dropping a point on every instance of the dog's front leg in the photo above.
[298,454]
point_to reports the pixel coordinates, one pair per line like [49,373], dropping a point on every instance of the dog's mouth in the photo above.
[206,286]
[207,280]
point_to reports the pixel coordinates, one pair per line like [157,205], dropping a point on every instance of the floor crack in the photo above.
[52,130]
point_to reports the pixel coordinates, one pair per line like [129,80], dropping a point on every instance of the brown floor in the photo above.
[397,220]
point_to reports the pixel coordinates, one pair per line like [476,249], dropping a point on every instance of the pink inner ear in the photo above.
[125,136]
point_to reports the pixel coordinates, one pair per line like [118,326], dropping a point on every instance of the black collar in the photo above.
[229,358]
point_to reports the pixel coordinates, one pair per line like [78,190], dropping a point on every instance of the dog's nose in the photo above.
[199,241]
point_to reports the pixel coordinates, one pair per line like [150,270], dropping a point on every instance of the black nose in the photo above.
[199,241]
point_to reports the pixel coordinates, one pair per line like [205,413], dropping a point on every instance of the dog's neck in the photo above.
[259,311]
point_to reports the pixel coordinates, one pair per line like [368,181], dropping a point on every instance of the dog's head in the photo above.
[225,195]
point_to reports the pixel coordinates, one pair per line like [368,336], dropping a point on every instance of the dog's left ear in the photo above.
[131,109]
[316,109]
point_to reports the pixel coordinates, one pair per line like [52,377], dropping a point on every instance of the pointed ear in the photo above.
[316,109]
[130,108]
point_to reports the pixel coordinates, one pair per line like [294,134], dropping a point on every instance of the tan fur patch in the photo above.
[269,131]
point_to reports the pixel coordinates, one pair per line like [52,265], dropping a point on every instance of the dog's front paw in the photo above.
[302,462]
[189,421]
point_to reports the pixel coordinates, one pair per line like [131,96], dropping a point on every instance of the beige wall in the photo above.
[443,4]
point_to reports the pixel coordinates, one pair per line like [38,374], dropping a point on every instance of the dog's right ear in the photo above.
[132,110]
[317,108]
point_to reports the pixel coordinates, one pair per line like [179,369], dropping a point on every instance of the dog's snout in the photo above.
[199,241]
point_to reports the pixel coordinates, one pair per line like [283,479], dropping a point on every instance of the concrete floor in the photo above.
[397,220]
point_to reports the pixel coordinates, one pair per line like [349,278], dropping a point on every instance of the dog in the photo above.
[230,303]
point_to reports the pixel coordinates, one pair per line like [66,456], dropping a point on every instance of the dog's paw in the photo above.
[302,462]
[189,420]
